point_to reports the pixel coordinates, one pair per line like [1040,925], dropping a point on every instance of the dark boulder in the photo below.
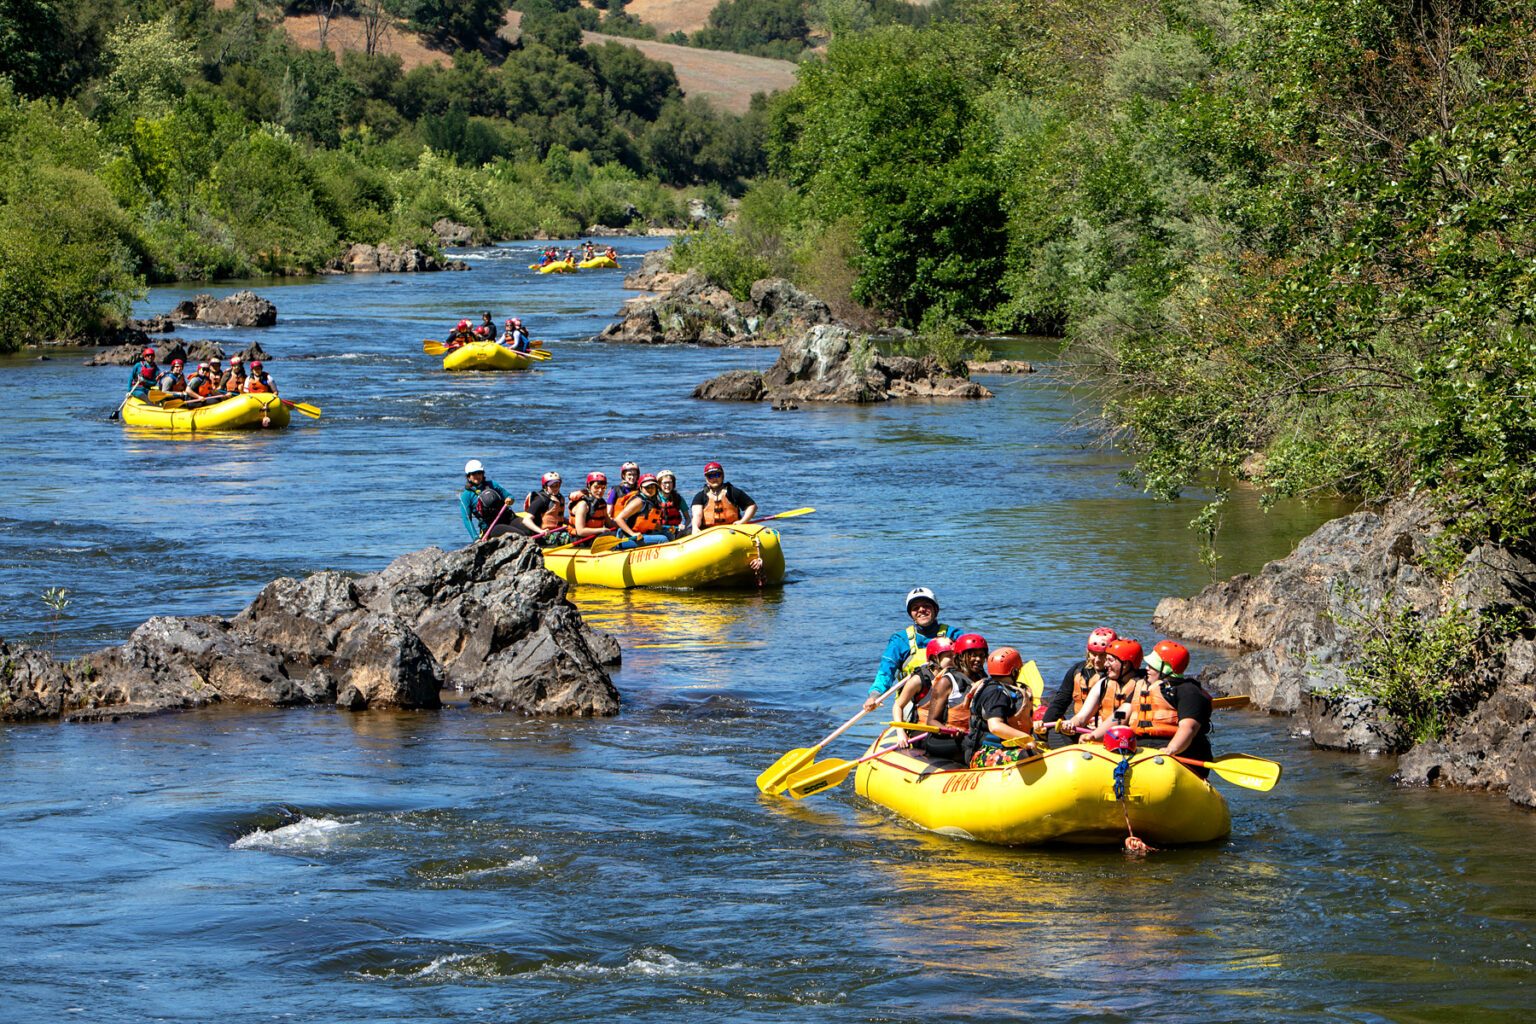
[449,232]
[242,309]
[159,323]
[732,386]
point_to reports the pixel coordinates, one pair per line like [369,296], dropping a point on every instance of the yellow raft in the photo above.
[717,557]
[598,261]
[237,412]
[1064,796]
[486,355]
[558,267]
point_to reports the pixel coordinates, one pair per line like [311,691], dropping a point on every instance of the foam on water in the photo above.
[525,863]
[304,834]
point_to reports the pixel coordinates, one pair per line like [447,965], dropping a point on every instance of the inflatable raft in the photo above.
[1064,796]
[238,412]
[558,267]
[486,355]
[598,262]
[717,557]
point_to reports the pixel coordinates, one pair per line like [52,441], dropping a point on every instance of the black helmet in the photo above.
[489,502]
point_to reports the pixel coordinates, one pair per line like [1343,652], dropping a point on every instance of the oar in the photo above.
[925,727]
[1239,769]
[773,780]
[1240,701]
[437,348]
[823,775]
[785,515]
[312,411]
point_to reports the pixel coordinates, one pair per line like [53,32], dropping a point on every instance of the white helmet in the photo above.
[473,466]
[918,593]
[666,472]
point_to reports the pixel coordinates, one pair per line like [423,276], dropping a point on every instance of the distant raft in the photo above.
[599,262]
[1064,796]
[486,355]
[717,557]
[558,267]
[237,412]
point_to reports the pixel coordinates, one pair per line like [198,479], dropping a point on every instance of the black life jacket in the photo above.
[978,729]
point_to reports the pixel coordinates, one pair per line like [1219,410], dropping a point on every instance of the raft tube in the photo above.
[717,557]
[599,261]
[238,412]
[1063,796]
[558,267]
[486,355]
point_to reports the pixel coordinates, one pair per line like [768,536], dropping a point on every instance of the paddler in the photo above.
[544,510]
[139,375]
[489,326]
[259,382]
[516,336]
[721,503]
[1122,669]
[935,694]
[173,381]
[482,505]
[905,650]
[234,380]
[1068,699]
[460,335]
[619,494]
[674,513]
[1167,709]
[588,512]
[1003,708]
[642,513]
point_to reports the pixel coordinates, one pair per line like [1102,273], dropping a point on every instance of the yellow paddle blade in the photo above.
[773,780]
[602,544]
[1249,772]
[916,727]
[819,776]
[1032,679]
[312,411]
[1241,701]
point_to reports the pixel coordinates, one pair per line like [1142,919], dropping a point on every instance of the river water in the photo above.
[322,865]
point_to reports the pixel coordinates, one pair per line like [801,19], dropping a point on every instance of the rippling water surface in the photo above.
[456,865]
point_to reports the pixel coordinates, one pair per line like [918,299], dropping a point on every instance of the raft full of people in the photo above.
[479,348]
[590,257]
[209,398]
[1120,751]
[640,532]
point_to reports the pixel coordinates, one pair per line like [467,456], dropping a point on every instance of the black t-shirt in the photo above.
[741,499]
[540,502]
[1191,701]
[994,701]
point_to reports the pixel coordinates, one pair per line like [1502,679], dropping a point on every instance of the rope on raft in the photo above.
[1133,846]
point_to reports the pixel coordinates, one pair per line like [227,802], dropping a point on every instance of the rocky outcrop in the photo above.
[691,311]
[1293,621]
[488,620]
[1000,366]
[785,309]
[362,258]
[159,323]
[242,309]
[190,352]
[833,364]
[449,232]
[655,273]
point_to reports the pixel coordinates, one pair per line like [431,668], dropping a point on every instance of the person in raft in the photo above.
[234,380]
[905,650]
[483,505]
[720,503]
[489,325]
[544,512]
[1122,670]
[516,336]
[1165,708]
[587,512]
[641,515]
[619,494]
[1068,699]
[1002,708]
[145,375]
[173,381]
[460,335]
[938,694]
[674,514]
[259,382]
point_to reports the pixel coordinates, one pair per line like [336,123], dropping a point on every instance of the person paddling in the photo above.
[173,381]
[489,326]
[482,505]
[516,337]
[588,512]
[1003,708]
[259,382]
[1167,709]
[1069,697]
[1122,670]
[544,511]
[460,335]
[905,650]
[145,374]
[234,380]
[720,503]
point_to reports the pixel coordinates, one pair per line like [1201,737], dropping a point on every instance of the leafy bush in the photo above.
[725,258]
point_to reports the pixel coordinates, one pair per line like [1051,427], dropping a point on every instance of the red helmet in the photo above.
[1120,739]
[593,478]
[482,331]
[516,321]
[713,467]
[1169,658]
[937,646]
[549,478]
[1004,662]
[255,364]
[177,362]
[970,642]
[646,479]
[1100,639]
[1126,650]
[148,353]
[463,325]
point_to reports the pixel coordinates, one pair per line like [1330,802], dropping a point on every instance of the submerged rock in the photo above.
[1292,623]
[487,619]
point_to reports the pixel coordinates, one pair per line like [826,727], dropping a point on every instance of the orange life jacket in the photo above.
[256,386]
[649,517]
[1082,683]
[719,511]
[957,713]
[554,513]
[1151,714]
[624,499]
[597,510]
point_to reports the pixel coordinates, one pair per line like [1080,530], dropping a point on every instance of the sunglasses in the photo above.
[713,476]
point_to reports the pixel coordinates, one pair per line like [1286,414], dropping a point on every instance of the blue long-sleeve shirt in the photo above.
[467,507]
[900,649]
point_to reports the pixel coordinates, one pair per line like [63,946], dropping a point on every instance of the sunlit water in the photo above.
[455,865]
